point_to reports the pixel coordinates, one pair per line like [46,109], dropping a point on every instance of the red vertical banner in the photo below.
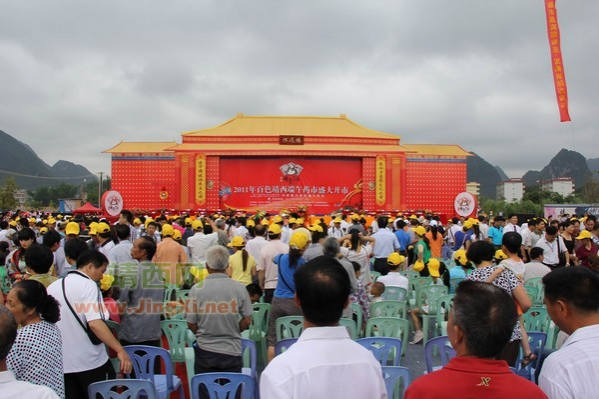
[559,75]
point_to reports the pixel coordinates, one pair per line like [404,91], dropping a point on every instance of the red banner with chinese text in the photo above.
[272,184]
[559,75]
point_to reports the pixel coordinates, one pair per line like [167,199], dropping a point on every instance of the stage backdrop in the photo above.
[322,184]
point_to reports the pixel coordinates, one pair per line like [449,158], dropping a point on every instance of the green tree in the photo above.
[7,194]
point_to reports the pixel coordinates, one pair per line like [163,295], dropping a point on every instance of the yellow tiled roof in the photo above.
[314,148]
[437,149]
[331,126]
[131,146]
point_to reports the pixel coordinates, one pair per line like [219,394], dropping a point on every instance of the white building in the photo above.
[510,190]
[564,186]
[473,188]
[21,196]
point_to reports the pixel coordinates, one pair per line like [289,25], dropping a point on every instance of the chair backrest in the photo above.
[374,275]
[418,282]
[289,327]
[259,324]
[446,352]
[144,358]
[173,310]
[537,341]
[182,295]
[532,292]
[357,311]
[384,349]
[388,309]
[443,307]
[533,281]
[249,354]
[392,327]
[132,389]
[170,292]
[397,380]
[223,385]
[394,293]
[409,274]
[537,319]
[284,344]
[351,327]
[177,338]
[429,294]
[453,283]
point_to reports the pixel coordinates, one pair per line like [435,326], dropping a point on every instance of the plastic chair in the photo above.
[453,283]
[418,282]
[133,389]
[444,302]
[173,310]
[441,345]
[176,336]
[537,342]
[374,275]
[289,327]
[409,274]
[182,295]
[351,327]
[392,327]
[258,327]
[115,328]
[170,292]
[429,294]
[394,294]
[284,344]
[537,319]
[397,380]
[532,292]
[389,309]
[223,385]
[143,359]
[249,356]
[384,349]
[4,280]
[533,281]
[538,283]
[357,311]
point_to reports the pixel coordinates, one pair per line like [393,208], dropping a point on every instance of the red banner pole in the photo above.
[559,75]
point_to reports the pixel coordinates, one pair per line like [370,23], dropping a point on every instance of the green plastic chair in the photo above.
[4,280]
[115,329]
[351,327]
[444,302]
[393,327]
[170,292]
[289,327]
[537,319]
[394,294]
[182,295]
[532,292]
[258,328]
[409,274]
[177,338]
[374,275]
[416,283]
[428,295]
[357,310]
[389,309]
[533,281]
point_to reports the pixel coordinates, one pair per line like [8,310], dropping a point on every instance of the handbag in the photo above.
[561,256]
[90,333]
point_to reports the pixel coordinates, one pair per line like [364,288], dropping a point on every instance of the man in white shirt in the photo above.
[535,268]
[325,362]
[268,275]
[553,244]
[572,300]
[255,245]
[199,243]
[393,278]
[386,243]
[512,224]
[336,230]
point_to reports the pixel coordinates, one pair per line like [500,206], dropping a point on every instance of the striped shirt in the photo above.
[571,372]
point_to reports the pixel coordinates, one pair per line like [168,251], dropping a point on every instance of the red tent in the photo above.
[88,208]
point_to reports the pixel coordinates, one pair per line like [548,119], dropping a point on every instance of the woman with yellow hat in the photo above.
[242,267]
[587,248]
[422,249]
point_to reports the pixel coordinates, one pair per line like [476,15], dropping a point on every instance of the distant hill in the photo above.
[502,174]
[482,172]
[565,164]
[20,161]
[593,165]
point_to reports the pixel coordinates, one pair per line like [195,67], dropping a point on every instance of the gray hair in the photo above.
[8,331]
[331,247]
[217,258]
[220,223]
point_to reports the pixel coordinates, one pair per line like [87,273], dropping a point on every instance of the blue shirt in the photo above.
[404,239]
[386,243]
[496,234]
[460,238]
[286,283]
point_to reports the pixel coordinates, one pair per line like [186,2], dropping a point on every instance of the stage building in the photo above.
[276,162]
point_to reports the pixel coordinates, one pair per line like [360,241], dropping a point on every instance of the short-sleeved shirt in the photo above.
[507,281]
[286,283]
[386,243]
[404,239]
[236,263]
[267,254]
[426,251]
[216,305]
[496,234]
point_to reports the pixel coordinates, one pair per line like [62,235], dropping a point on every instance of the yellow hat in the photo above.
[237,241]
[421,231]
[31,220]
[188,222]
[274,229]
[250,223]
[413,217]
[264,222]
[584,234]
[43,230]
[45,221]
[467,225]
[337,220]
[136,221]
[433,267]
[292,220]
[355,216]
[102,228]
[72,228]
[51,221]
[59,217]
[316,227]
[199,273]
[499,254]
[148,220]
[12,223]
[418,266]
[168,230]
[395,259]
[277,219]
[298,241]
[106,282]
[177,236]
[197,225]
[460,253]
[299,221]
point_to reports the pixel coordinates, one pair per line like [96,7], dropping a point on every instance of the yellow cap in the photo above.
[197,225]
[337,220]
[421,231]
[237,241]
[277,219]
[499,254]
[467,225]
[316,227]
[72,229]
[418,266]
[106,282]
[136,221]
[299,221]
[292,220]
[102,228]
[395,259]
[168,230]
[177,236]
[433,267]
[274,229]
[250,223]
[298,241]
[264,222]
[43,230]
[584,234]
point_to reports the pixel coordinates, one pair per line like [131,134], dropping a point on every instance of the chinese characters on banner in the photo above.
[559,76]
[200,179]
[380,194]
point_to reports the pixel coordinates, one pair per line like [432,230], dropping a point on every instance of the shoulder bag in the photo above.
[90,334]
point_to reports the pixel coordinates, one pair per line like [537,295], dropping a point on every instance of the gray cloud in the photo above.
[77,77]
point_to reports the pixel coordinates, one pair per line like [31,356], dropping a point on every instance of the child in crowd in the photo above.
[360,296]
[109,302]
[254,291]
[508,258]
[435,270]
[376,290]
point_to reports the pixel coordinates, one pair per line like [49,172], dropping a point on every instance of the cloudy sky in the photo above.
[78,76]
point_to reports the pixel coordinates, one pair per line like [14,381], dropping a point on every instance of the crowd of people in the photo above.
[63,277]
